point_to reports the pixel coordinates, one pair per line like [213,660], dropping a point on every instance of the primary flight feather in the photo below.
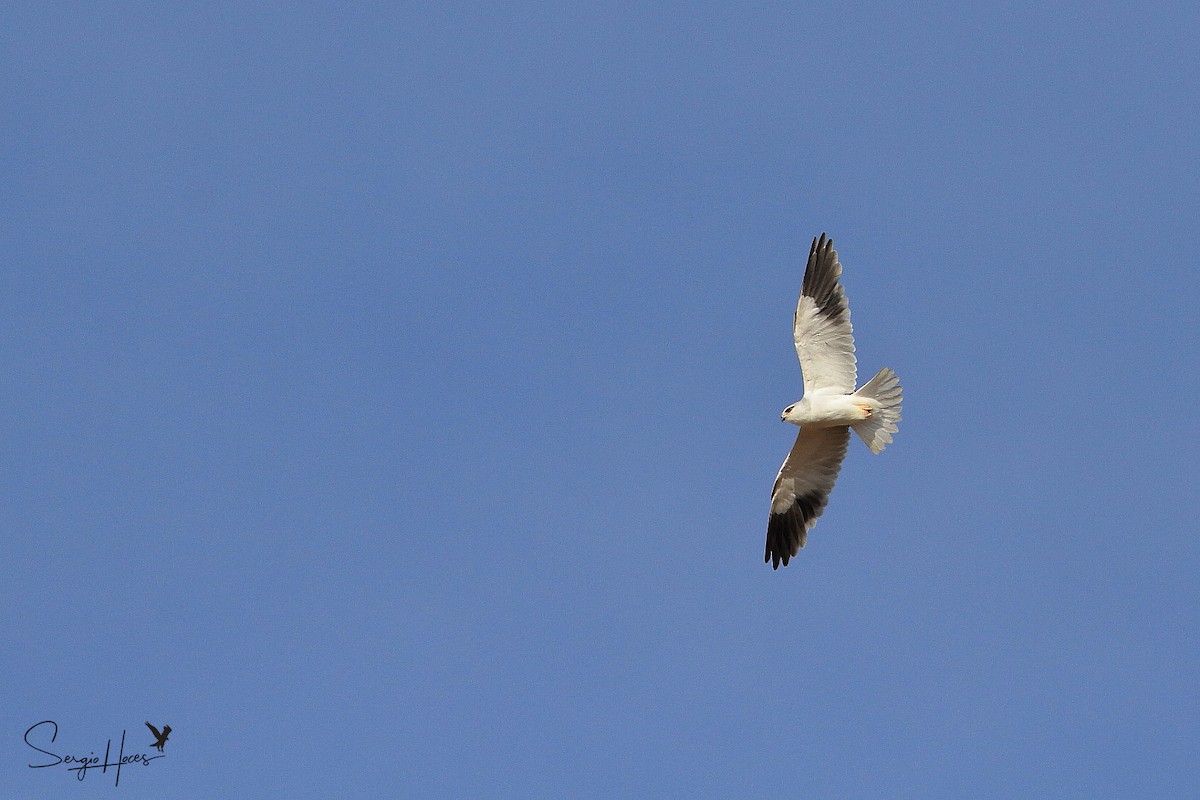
[829,409]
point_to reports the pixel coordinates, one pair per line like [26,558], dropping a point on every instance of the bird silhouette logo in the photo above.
[159,738]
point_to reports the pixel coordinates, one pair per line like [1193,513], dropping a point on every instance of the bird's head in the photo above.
[792,413]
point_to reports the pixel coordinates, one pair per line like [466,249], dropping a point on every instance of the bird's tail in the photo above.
[877,429]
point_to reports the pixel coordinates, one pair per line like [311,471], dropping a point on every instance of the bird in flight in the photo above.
[159,738]
[829,409]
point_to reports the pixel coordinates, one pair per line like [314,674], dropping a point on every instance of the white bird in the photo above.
[829,408]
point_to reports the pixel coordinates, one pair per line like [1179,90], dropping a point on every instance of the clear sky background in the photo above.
[392,398]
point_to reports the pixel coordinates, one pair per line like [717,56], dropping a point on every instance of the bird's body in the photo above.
[823,410]
[829,409]
[160,737]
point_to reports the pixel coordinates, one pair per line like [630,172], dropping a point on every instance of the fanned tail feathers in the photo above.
[876,431]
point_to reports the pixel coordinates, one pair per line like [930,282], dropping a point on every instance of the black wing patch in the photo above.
[788,531]
[821,280]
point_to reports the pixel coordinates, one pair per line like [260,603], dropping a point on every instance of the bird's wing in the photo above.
[153,730]
[821,327]
[802,489]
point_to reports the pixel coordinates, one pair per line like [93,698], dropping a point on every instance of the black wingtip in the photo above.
[785,537]
[819,245]
[774,558]
[821,280]
[787,531]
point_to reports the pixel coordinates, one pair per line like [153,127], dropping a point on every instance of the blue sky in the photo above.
[393,398]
